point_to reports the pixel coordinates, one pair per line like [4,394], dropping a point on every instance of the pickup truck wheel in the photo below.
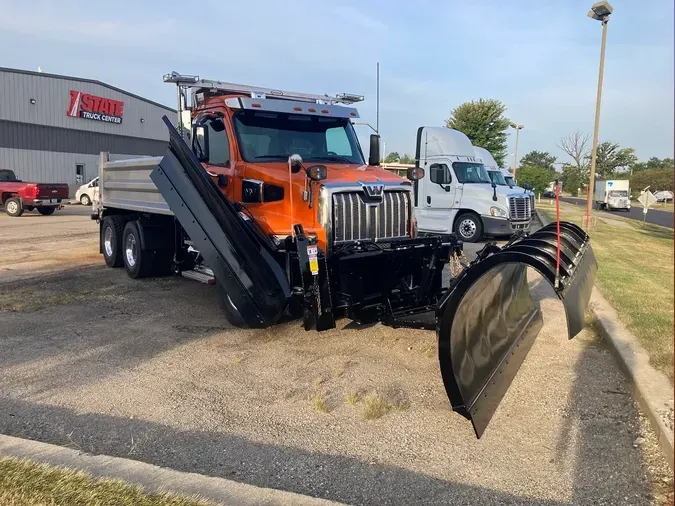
[138,263]
[85,200]
[469,228]
[111,240]
[229,308]
[13,207]
[46,210]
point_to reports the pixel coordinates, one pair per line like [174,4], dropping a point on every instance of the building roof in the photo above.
[84,80]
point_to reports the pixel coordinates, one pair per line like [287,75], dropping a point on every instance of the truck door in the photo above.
[436,198]
[212,146]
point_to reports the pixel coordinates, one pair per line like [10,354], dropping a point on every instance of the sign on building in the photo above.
[84,105]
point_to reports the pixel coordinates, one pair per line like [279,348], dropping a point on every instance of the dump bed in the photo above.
[126,184]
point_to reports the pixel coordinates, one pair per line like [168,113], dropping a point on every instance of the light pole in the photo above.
[600,11]
[518,128]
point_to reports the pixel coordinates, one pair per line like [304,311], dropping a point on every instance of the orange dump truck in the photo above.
[266,194]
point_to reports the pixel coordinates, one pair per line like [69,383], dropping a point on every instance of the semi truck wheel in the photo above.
[13,207]
[111,240]
[46,210]
[138,263]
[469,228]
[229,308]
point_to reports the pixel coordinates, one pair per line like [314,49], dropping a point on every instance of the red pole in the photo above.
[557,220]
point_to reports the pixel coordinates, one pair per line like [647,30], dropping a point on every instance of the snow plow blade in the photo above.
[244,268]
[487,321]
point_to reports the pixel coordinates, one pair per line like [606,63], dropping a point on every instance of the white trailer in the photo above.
[612,194]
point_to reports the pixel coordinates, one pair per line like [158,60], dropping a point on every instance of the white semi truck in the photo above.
[613,195]
[456,193]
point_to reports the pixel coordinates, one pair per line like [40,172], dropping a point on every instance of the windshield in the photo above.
[497,177]
[267,136]
[509,180]
[471,172]
[618,193]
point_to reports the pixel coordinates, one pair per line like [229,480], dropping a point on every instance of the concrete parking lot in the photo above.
[151,370]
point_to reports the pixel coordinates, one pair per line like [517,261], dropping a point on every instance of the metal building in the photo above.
[53,127]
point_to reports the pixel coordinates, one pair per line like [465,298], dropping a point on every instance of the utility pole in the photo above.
[600,11]
[377,101]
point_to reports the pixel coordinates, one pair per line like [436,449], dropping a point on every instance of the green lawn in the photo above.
[635,274]
[25,483]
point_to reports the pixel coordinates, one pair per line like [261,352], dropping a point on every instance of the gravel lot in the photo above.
[151,370]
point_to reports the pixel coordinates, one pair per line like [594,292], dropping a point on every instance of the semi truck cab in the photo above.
[456,194]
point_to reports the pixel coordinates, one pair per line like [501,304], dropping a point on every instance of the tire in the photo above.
[111,240]
[231,313]
[137,262]
[85,200]
[46,210]
[14,207]
[468,227]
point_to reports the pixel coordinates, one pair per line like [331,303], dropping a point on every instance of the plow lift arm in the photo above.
[486,321]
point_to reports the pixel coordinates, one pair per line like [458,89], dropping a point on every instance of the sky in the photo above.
[539,58]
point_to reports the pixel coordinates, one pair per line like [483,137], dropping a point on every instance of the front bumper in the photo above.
[502,226]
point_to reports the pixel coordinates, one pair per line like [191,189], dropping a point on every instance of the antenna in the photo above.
[377,101]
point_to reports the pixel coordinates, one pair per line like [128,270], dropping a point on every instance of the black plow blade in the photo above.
[488,320]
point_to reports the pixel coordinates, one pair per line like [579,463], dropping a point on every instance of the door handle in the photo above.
[428,199]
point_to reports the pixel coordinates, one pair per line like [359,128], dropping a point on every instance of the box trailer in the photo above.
[612,194]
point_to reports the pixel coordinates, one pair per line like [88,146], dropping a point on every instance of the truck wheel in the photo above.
[230,310]
[46,210]
[469,228]
[85,200]
[138,263]
[111,240]
[13,207]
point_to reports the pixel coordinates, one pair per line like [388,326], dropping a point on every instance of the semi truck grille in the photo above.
[520,208]
[355,218]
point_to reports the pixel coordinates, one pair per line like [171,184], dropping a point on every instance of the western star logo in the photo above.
[373,190]
[88,106]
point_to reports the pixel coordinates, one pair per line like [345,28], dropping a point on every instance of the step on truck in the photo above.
[266,195]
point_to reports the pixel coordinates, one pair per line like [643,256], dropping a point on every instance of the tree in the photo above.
[483,122]
[658,179]
[407,159]
[571,179]
[541,159]
[392,157]
[536,176]
[575,145]
[653,163]
[611,157]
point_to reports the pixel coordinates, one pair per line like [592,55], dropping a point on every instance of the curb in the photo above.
[153,478]
[651,388]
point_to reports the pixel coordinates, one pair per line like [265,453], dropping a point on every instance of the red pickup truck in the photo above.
[17,196]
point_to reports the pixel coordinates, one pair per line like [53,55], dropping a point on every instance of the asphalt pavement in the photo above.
[654,216]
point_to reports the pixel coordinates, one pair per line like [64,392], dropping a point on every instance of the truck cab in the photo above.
[456,194]
[244,139]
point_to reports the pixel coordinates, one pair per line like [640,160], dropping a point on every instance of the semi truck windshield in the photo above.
[497,177]
[471,172]
[268,136]
[618,193]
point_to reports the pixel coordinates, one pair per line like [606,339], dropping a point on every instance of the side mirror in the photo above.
[295,161]
[494,191]
[200,143]
[494,185]
[374,155]
[528,187]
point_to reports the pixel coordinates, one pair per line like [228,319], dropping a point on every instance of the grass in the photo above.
[319,401]
[352,398]
[635,274]
[375,407]
[26,483]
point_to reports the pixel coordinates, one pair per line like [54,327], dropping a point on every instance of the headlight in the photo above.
[498,211]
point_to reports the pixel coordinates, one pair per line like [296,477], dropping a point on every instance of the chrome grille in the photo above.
[355,218]
[520,208]
[532,203]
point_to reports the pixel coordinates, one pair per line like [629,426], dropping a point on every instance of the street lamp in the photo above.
[600,11]
[518,128]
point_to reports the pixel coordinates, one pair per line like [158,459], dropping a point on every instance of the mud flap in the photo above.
[254,282]
[487,321]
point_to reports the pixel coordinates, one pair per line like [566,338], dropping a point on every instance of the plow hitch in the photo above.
[487,320]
